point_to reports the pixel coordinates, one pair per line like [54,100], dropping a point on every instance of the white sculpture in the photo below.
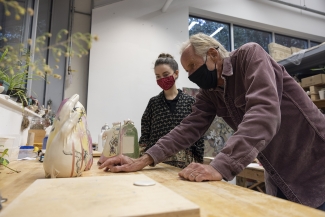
[69,146]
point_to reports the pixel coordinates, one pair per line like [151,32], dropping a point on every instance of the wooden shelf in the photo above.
[320,103]
[6,102]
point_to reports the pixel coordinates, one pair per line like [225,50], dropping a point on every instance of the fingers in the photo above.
[199,172]
[122,164]
[102,159]
[190,172]
[123,168]
[110,162]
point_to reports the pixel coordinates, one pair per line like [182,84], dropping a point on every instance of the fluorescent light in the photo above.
[192,24]
[215,32]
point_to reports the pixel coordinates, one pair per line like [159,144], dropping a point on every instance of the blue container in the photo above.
[44,142]
[26,151]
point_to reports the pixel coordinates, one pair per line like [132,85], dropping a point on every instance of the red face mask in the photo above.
[166,83]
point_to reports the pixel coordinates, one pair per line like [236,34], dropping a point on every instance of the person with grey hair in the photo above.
[273,119]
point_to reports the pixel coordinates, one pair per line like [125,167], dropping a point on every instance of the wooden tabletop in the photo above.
[214,198]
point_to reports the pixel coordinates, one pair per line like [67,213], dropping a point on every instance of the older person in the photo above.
[273,118]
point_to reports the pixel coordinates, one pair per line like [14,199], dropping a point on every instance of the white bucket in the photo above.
[321,93]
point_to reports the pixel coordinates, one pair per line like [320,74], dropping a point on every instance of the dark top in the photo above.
[172,103]
[158,120]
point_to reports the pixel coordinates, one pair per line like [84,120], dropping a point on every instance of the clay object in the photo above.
[69,146]
[129,140]
[112,145]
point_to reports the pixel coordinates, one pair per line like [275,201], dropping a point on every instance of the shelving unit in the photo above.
[320,103]
[313,58]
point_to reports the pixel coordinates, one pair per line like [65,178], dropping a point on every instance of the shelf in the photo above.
[7,102]
[313,58]
[320,103]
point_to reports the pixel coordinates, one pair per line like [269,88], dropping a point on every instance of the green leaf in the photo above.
[3,161]
[4,54]
[4,153]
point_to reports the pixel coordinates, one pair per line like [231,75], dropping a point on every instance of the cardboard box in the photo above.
[313,80]
[295,50]
[39,135]
[279,52]
[315,89]
[314,97]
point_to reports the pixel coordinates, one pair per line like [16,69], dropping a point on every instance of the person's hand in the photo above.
[121,163]
[199,172]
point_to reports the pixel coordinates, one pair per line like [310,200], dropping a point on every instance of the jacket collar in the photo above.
[227,67]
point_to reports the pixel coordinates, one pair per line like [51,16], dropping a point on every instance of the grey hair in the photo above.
[202,43]
[165,58]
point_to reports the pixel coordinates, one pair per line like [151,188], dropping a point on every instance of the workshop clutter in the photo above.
[315,86]
[279,52]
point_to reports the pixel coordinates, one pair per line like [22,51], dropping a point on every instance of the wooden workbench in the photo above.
[214,198]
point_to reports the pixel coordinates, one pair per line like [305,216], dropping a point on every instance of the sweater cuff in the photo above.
[226,166]
[156,154]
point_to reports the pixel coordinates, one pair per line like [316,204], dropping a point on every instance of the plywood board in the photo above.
[99,196]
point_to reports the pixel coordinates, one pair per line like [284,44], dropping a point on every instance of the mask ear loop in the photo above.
[215,65]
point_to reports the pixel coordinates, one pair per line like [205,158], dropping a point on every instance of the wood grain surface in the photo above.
[214,198]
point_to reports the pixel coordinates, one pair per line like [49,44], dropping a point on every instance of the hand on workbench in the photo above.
[121,163]
[200,172]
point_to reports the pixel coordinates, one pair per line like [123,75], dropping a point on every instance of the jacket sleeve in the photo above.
[262,113]
[190,130]
[145,128]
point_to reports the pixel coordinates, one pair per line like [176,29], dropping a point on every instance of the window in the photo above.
[15,31]
[243,35]
[38,86]
[219,31]
[289,41]
[314,43]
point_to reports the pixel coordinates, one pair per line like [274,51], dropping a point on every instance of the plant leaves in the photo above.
[4,153]
[4,54]
[3,161]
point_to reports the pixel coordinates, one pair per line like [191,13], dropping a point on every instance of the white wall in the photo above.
[133,32]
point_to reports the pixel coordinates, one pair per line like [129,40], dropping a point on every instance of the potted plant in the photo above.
[14,77]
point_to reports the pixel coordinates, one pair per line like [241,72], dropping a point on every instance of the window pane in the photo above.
[290,41]
[43,26]
[314,43]
[219,31]
[11,28]
[243,35]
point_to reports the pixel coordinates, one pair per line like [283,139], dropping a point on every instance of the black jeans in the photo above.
[282,196]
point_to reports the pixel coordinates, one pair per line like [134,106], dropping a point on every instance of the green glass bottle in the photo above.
[129,140]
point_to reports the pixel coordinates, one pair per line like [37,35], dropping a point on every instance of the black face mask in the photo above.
[204,78]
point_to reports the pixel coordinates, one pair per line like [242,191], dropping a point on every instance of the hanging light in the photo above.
[215,32]
[192,24]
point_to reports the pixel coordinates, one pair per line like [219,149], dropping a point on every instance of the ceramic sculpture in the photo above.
[69,146]
[129,139]
[111,147]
